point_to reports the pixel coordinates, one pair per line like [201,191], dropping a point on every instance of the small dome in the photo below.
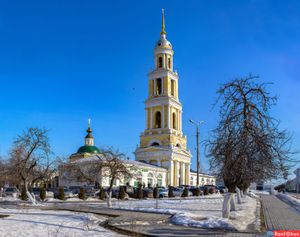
[163,43]
[89,136]
[88,149]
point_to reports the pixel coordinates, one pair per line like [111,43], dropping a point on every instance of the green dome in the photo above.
[88,149]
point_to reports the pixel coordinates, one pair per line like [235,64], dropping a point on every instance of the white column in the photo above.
[177,121]
[180,120]
[163,116]
[182,177]
[150,117]
[171,173]
[169,117]
[187,173]
[147,114]
[177,173]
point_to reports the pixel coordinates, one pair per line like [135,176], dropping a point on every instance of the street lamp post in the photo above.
[197,124]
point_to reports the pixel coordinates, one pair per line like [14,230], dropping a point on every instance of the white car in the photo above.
[13,192]
[177,192]
[163,192]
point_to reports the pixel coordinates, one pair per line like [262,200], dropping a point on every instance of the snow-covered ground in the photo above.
[290,200]
[35,222]
[202,212]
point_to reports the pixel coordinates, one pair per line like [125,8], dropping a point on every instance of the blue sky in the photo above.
[63,61]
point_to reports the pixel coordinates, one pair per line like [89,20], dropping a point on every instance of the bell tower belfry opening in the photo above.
[163,143]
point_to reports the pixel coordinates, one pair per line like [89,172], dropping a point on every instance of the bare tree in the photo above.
[29,157]
[247,145]
[109,164]
[3,173]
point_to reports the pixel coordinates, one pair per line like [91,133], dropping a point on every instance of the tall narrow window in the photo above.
[158,119]
[158,86]
[174,120]
[169,63]
[172,87]
[160,62]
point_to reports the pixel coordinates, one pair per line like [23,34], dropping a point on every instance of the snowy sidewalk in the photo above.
[279,215]
[150,224]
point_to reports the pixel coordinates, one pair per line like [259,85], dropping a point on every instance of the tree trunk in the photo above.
[238,194]
[108,199]
[226,205]
[31,198]
[232,203]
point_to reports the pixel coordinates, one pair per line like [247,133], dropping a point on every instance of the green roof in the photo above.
[88,149]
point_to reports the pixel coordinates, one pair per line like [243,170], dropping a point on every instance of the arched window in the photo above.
[150,180]
[191,181]
[127,180]
[172,87]
[158,119]
[159,180]
[155,144]
[178,145]
[139,178]
[160,62]
[158,86]
[174,120]
[169,63]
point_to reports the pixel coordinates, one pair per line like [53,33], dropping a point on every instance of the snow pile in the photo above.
[53,200]
[294,202]
[191,220]
[203,212]
[259,192]
[9,199]
[253,195]
[34,223]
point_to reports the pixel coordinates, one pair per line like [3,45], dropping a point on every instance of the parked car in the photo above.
[12,191]
[163,192]
[114,192]
[221,189]
[36,192]
[53,190]
[75,189]
[177,192]
[68,193]
[89,191]
[193,190]
[148,192]
[213,188]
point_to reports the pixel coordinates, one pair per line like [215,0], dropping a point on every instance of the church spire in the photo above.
[89,139]
[163,32]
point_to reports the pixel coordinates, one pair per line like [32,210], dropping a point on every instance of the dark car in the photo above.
[193,190]
[221,189]
[211,188]
[74,189]
[36,192]
[89,191]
